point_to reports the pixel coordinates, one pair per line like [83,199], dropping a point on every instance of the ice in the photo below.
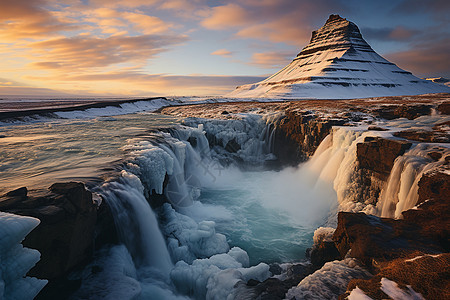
[112,275]
[136,223]
[215,277]
[16,260]
[188,239]
[328,282]
[323,234]
[152,164]
[122,109]
[392,289]
[248,131]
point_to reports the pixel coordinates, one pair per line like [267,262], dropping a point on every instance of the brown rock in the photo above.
[299,134]
[434,185]
[444,108]
[424,136]
[435,155]
[376,128]
[426,274]
[410,112]
[323,252]
[378,154]
[373,239]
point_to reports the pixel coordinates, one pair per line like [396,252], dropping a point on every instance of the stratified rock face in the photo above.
[378,155]
[338,64]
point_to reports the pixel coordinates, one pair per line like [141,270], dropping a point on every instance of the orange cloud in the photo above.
[137,83]
[286,21]
[27,19]
[273,59]
[425,59]
[81,52]
[227,16]
[278,31]
[222,52]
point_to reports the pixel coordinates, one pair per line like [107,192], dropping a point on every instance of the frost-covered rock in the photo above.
[328,282]
[188,240]
[215,277]
[16,260]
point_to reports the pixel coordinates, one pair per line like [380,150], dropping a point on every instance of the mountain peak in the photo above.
[333,18]
[337,33]
[338,63]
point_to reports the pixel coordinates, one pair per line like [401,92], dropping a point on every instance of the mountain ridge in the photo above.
[338,63]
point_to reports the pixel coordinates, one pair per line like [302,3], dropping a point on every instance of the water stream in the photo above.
[227,216]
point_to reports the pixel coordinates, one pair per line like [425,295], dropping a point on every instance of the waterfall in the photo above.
[336,158]
[401,191]
[181,164]
[136,223]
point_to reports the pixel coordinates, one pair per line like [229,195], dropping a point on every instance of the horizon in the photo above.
[97,48]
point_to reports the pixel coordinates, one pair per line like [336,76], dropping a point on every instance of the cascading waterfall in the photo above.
[136,222]
[401,191]
[186,246]
[336,157]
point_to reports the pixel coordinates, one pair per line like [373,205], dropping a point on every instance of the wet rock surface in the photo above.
[274,288]
[378,154]
[298,135]
[411,251]
[424,136]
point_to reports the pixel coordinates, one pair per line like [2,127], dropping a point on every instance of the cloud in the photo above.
[398,33]
[425,59]
[222,52]
[280,30]
[83,52]
[436,7]
[226,16]
[272,59]
[288,21]
[139,83]
[10,87]
[28,19]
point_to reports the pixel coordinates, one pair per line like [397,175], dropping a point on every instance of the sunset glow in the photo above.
[196,47]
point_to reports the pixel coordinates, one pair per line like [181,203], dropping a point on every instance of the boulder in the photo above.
[324,252]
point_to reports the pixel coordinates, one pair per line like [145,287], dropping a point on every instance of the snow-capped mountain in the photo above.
[338,64]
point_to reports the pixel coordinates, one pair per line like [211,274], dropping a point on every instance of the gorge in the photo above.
[225,204]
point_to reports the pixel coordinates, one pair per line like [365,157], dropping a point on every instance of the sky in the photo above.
[196,47]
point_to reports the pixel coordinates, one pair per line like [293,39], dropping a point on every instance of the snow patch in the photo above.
[392,289]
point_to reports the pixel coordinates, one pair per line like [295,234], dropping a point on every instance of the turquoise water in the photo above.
[253,210]
[268,235]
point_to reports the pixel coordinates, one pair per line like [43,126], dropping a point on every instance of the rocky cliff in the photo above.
[71,221]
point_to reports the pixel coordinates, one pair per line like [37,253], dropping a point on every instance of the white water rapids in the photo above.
[224,225]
